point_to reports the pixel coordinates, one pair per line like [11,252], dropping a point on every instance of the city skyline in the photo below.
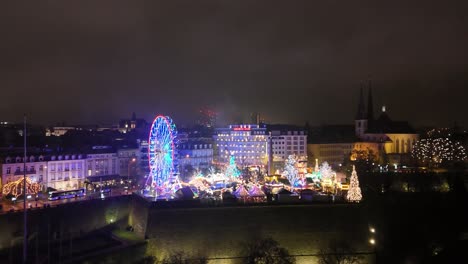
[97,64]
[210,131]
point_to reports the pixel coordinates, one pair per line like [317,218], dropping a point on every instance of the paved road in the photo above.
[18,205]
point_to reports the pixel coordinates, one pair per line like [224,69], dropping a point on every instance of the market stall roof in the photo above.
[241,192]
[255,191]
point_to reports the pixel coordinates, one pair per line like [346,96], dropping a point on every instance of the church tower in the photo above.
[360,123]
[370,104]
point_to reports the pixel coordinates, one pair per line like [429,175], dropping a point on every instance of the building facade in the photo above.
[12,169]
[260,145]
[102,164]
[333,153]
[285,140]
[195,155]
[61,172]
[247,143]
[128,161]
[142,157]
[65,172]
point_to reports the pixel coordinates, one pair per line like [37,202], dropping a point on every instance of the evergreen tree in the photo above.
[354,192]
[290,170]
[231,170]
[326,172]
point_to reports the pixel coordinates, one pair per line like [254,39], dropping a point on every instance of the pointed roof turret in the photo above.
[361,113]
[370,104]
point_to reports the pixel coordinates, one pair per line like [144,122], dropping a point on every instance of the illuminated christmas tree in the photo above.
[326,171]
[231,170]
[290,170]
[354,192]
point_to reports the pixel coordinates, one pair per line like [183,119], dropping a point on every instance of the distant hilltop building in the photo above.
[390,141]
[138,124]
[59,131]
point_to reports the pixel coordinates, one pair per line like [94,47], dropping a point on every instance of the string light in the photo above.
[16,188]
[161,151]
[290,170]
[438,148]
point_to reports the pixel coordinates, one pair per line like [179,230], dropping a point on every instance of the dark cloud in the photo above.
[96,61]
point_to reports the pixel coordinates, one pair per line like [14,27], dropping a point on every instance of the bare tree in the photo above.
[268,251]
[181,258]
[339,252]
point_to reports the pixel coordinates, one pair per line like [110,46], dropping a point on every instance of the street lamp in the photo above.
[133,160]
[45,180]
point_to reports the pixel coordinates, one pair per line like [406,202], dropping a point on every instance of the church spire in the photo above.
[361,114]
[370,104]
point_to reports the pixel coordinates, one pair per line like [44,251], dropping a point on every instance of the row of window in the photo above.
[195,146]
[65,177]
[240,146]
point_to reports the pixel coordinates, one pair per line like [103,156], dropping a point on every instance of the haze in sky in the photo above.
[292,61]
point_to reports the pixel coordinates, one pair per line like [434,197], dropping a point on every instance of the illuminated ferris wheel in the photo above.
[161,152]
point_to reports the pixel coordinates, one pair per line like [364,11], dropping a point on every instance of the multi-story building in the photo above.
[247,143]
[102,164]
[142,157]
[61,172]
[12,169]
[194,155]
[286,140]
[332,143]
[260,144]
[128,161]
[65,172]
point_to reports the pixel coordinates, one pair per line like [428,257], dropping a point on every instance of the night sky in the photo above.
[97,61]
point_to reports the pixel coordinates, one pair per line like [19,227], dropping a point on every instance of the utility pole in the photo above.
[48,240]
[37,245]
[25,227]
[269,152]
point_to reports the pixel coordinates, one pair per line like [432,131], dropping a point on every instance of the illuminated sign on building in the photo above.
[241,129]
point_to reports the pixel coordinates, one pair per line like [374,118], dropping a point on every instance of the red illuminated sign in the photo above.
[241,129]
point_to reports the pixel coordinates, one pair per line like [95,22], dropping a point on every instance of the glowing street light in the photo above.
[372,230]
[372,241]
